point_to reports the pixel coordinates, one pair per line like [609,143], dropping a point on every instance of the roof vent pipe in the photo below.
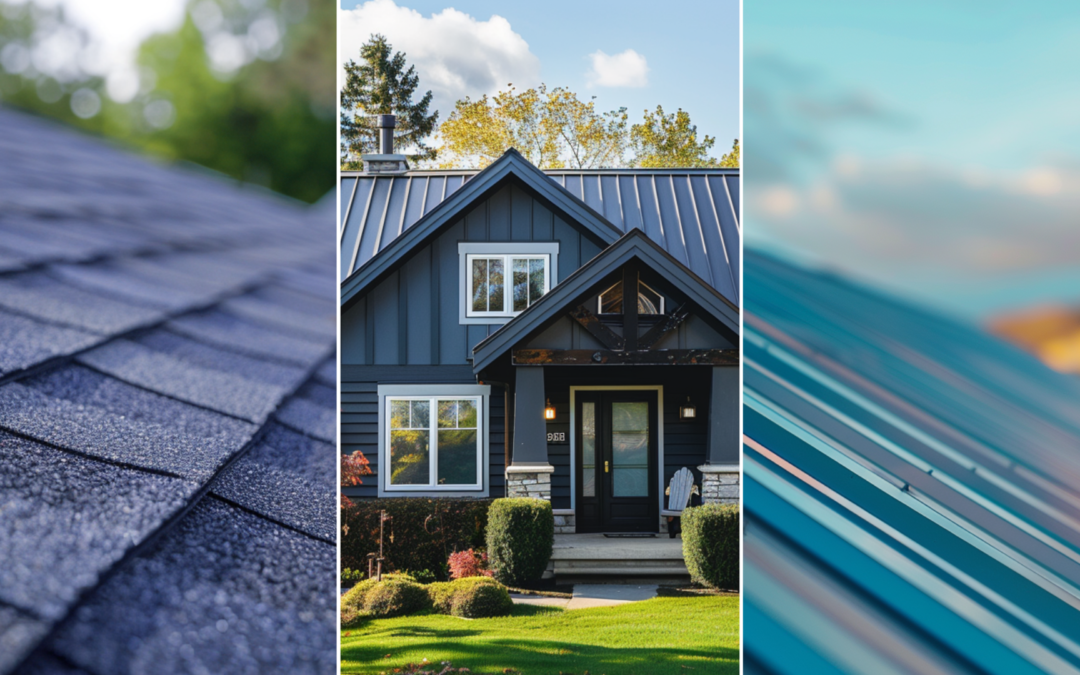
[386,124]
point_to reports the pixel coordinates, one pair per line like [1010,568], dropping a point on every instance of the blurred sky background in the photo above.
[632,53]
[243,87]
[929,148]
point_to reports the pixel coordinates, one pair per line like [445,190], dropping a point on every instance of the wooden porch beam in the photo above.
[600,357]
[598,330]
[658,331]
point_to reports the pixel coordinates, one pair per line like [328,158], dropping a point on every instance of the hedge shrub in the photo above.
[443,593]
[353,600]
[395,597]
[711,544]
[482,601]
[420,543]
[520,536]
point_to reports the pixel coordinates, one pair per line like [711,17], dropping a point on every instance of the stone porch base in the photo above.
[529,481]
[720,483]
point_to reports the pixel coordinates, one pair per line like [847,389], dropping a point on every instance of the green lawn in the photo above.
[662,636]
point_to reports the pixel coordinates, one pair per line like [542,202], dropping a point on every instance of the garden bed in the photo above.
[663,636]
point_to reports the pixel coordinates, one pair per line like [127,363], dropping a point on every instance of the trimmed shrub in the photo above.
[520,536]
[711,544]
[481,601]
[395,597]
[420,576]
[349,576]
[354,599]
[444,593]
[426,531]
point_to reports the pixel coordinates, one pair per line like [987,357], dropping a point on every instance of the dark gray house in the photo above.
[569,335]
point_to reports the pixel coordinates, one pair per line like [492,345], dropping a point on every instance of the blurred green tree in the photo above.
[380,84]
[246,89]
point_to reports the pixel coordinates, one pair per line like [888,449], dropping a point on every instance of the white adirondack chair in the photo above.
[679,490]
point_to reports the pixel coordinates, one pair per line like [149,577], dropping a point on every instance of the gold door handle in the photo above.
[606,467]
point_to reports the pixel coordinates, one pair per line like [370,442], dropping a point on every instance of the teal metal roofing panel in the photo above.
[167,492]
[692,213]
[910,489]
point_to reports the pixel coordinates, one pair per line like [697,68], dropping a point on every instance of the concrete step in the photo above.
[594,556]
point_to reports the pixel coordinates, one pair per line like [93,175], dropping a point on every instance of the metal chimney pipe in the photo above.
[386,124]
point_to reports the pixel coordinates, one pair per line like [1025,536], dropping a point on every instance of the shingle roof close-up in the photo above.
[167,379]
[910,489]
[691,213]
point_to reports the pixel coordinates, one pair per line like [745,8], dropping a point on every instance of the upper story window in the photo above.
[648,300]
[501,280]
[504,285]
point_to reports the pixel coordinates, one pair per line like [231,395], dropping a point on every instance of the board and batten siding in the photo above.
[412,316]
[360,417]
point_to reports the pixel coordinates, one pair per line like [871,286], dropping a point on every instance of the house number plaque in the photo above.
[556,437]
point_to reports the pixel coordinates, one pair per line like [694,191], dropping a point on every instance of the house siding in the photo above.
[411,317]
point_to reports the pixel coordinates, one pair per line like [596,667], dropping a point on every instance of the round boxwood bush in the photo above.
[481,601]
[520,536]
[444,593]
[711,544]
[353,600]
[395,597]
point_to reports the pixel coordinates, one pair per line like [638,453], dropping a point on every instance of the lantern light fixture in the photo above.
[549,411]
[687,411]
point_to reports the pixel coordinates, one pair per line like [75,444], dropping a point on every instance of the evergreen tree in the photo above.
[380,84]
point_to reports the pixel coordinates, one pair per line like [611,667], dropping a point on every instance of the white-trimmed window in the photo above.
[499,281]
[433,438]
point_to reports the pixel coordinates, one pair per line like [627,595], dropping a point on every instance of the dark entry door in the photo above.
[616,458]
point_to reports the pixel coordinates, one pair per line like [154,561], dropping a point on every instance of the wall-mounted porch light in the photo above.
[687,411]
[549,411]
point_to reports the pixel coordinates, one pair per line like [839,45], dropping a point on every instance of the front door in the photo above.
[616,461]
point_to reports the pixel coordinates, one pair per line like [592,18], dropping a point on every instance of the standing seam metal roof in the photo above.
[167,369]
[910,489]
[691,213]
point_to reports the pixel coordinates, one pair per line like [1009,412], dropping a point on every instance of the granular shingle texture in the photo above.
[154,326]
[285,478]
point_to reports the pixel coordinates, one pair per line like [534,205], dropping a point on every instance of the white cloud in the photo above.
[455,54]
[625,69]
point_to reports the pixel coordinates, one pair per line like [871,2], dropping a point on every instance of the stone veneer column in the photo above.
[529,473]
[720,483]
[720,480]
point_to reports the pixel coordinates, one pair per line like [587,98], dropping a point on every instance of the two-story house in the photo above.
[568,334]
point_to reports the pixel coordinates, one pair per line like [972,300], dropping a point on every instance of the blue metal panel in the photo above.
[921,470]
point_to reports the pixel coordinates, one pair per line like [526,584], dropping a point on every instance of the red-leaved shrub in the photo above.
[467,564]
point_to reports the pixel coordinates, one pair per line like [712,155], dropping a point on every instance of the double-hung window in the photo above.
[499,281]
[434,440]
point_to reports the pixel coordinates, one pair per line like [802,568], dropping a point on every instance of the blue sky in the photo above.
[928,147]
[691,52]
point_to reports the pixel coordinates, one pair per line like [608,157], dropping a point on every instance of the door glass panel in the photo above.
[588,449]
[630,449]
[410,448]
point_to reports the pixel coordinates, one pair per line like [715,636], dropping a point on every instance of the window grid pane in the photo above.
[456,449]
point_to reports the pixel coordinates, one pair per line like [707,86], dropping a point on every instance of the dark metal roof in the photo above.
[167,374]
[691,213]
[910,489]
[634,245]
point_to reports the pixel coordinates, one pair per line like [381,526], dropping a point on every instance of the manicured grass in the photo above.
[662,636]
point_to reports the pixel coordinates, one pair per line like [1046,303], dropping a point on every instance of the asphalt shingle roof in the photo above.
[167,369]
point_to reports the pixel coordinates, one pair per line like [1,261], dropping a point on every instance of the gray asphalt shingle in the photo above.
[286,477]
[43,297]
[25,342]
[228,330]
[225,591]
[313,410]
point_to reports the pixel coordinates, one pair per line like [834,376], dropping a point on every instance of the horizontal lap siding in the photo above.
[360,416]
